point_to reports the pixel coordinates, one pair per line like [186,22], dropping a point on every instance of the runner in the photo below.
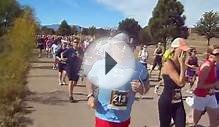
[158,52]
[143,56]
[216,52]
[204,97]
[40,43]
[168,54]
[192,66]
[73,65]
[112,112]
[54,48]
[170,104]
[61,63]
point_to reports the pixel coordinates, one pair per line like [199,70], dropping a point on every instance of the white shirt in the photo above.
[143,55]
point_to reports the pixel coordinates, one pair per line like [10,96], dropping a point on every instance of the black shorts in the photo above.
[157,62]
[61,67]
[40,46]
[217,97]
[72,74]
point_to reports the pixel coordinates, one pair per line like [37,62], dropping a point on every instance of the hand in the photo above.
[136,85]
[91,102]
[181,60]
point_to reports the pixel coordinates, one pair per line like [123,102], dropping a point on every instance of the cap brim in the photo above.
[184,48]
[174,45]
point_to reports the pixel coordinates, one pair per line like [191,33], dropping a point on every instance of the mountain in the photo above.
[53,26]
[56,26]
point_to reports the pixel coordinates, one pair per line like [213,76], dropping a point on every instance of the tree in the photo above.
[46,30]
[74,30]
[207,26]
[84,31]
[92,31]
[144,36]
[9,10]
[131,27]
[167,21]
[64,29]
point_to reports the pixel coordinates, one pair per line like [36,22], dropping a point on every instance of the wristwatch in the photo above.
[90,95]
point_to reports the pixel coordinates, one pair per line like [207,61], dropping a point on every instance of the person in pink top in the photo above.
[204,97]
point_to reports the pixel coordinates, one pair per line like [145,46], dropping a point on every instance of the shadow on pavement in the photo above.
[53,98]
[46,76]
[42,67]
[50,98]
[37,61]
[23,119]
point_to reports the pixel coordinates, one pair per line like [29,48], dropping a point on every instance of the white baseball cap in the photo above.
[180,43]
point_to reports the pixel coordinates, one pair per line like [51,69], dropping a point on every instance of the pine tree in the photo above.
[131,27]
[207,26]
[168,21]
[64,29]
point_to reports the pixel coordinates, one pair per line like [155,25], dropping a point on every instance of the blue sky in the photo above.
[108,13]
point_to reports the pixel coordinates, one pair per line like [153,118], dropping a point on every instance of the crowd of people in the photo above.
[177,66]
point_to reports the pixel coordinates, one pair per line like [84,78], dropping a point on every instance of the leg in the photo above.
[71,86]
[60,78]
[212,109]
[164,113]
[154,65]
[40,52]
[213,118]
[197,114]
[64,77]
[199,108]
[61,72]
[179,115]
[160,67]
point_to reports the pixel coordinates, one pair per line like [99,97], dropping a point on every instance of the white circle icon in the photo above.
[109,62]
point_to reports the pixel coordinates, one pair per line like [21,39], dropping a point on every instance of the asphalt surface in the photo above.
[47,105]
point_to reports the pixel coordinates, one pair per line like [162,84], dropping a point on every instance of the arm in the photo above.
[155,52]
[63,55]
[179,79]
[91,99]
[57,55]
[139,54]
[144,88]
[147,54]
[187,63]
[161,52]
[141,85]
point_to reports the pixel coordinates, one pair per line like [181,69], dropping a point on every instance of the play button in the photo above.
[109,62]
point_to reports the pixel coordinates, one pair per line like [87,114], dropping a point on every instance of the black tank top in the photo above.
[170,87]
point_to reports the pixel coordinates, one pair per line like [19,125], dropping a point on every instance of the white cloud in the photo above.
[141,10]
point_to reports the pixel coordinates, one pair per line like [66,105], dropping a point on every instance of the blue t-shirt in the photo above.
[73,60]
[105,111]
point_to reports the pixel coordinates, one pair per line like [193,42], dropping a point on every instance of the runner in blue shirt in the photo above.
[73,64]
[113,106]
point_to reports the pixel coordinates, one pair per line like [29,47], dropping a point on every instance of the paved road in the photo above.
[47,103]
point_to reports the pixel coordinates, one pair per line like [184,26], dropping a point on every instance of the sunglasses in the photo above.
[214,54]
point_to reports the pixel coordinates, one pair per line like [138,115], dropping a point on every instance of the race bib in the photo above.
[119,100]
[177,96]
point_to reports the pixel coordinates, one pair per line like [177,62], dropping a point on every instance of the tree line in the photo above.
[167,23]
